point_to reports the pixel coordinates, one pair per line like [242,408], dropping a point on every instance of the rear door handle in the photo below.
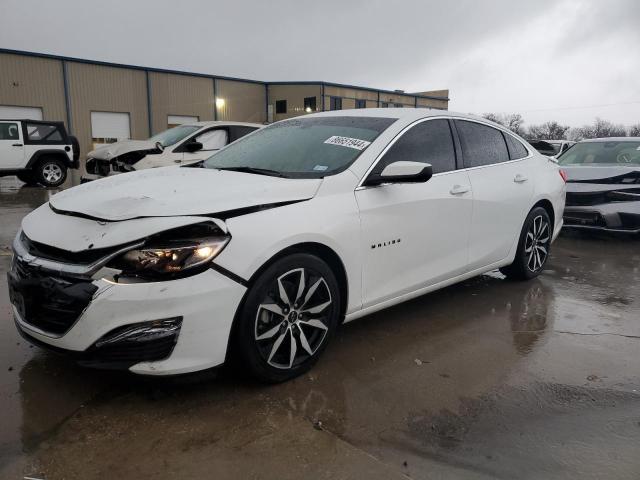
[16,145]
[519,178]
[459,189]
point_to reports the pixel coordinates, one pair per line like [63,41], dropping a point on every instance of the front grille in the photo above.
[593,219]
[46,300]
[586,199]
[84,257]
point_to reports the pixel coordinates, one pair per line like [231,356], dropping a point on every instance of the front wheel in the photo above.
[51,172]
[289,315]
[533,247]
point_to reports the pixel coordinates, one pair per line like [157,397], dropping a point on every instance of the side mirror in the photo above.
[401,172]
[193,146]
[159,147]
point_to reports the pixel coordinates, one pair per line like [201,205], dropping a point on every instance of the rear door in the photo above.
[11,146]
[502,190]
[415,234]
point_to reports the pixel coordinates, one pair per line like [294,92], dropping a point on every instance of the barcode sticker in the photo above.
[355,143]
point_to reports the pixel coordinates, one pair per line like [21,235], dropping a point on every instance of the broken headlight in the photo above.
[174,253]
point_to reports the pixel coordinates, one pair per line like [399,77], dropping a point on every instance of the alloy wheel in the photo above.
[536,244]
[293,319]
[52,173]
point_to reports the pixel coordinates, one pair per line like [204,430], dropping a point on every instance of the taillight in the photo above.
[563,174]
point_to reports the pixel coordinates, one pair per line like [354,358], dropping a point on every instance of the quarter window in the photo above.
[428,142]
[281,106]
[9,131]
[516,149]
[481,144]
[42,133]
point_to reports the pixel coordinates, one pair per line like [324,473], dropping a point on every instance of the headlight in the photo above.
[173,253]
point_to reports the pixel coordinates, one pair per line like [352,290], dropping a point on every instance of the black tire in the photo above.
[50,172]
[27,177]
[264,336]
[533,247]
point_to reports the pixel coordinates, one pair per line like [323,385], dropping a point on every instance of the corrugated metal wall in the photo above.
[33,82]
[294,95]
[173,94]
[241,101]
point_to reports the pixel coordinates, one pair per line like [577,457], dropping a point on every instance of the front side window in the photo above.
[302,147]
[213,139]
[481,144]
[594,154]
[427,142]
[9,131]
[516,149]
[174,135]
[43,133]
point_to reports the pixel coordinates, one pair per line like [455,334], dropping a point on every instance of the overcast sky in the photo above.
[569,60]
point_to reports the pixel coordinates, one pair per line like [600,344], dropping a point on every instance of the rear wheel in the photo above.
[533,247]
[289,316]
[51,172]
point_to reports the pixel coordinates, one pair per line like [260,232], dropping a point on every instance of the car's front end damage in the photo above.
[603,198]
[130,282]
[116,158]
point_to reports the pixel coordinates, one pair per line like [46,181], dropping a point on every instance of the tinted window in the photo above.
[9,131]
[281,106]
[481,144]
[43,133]
[304,147]
[516,148]
[238,132]
[427,142]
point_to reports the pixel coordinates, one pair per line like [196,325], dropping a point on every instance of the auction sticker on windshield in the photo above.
[348,142]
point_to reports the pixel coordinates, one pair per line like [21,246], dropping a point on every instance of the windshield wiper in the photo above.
[255,170]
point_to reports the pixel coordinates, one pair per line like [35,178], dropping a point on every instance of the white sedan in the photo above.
[262,250]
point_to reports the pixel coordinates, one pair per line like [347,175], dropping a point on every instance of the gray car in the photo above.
[603,184]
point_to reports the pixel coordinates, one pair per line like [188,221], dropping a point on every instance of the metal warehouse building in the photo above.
[105,102]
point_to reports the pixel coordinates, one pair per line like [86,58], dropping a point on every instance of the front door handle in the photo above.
[459,189]
[178,161]
[519,178]
[16,145]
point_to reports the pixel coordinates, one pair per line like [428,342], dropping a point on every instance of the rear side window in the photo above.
[481,144]
[237,132]
[516,148]
[43,133]
[428,142]
[9,131]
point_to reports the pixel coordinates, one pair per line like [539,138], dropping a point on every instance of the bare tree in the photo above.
[548,131]
[634,130]
[513,121]
[600,129]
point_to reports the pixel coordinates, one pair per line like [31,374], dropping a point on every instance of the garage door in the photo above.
[109,127]
[10,112]
[175,120]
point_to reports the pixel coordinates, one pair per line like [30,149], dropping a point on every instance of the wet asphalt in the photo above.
[485,379]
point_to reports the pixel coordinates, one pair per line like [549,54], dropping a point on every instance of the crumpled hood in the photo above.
[176,191]
[113,150]
[605,173]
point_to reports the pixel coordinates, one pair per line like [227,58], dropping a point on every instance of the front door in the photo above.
[11,146]
[415,234]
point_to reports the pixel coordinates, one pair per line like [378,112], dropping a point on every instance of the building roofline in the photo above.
[205,75]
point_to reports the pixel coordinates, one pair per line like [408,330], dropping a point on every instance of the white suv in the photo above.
[37,151]
[266,247]
[180,145]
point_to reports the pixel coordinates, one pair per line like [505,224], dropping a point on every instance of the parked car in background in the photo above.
[37,151]
[552,148]
[181,145]
[603,184]
[263,249]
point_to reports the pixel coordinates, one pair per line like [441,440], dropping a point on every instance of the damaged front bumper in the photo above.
[154,328]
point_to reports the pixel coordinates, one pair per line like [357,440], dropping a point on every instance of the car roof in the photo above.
[222,123]
[401,113]
[611,139]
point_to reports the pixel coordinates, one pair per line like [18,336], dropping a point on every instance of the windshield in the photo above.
[602,153]
[302,148]
[174,135]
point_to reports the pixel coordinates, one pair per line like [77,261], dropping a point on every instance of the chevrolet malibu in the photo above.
[261,251]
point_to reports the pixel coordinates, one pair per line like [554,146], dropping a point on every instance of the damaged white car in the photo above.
[262,250]
[180,145]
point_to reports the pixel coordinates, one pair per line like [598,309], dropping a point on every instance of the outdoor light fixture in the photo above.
[220,102]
